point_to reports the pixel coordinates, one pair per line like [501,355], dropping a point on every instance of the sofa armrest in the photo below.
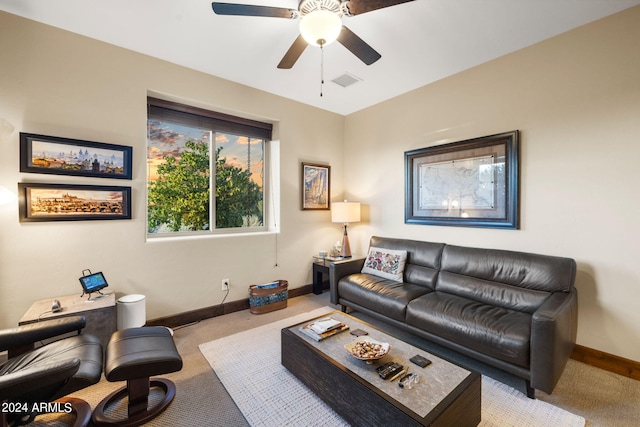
[26,335]
[553,336]
[340,269]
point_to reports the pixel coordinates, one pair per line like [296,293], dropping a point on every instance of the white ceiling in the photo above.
[420,42]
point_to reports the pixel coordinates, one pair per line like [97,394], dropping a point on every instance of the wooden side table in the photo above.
[320,268]
[100,313]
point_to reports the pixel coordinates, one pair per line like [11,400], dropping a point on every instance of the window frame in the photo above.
[217,122]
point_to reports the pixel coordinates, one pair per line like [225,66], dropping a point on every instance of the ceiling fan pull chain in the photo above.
[321,68]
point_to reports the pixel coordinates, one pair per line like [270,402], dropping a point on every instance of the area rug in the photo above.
[248,365]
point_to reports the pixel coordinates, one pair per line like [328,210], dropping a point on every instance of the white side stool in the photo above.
[131,311]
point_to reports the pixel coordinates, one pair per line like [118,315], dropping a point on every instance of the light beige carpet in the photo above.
[248,365]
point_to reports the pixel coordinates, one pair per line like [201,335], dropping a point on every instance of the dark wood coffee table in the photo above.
[447,394]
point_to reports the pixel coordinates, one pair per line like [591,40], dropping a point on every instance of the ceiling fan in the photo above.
[320,24]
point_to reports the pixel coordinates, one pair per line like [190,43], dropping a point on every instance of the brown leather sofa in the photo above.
[513,310]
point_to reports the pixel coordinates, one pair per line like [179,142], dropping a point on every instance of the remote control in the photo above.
[390,369]
[384,367]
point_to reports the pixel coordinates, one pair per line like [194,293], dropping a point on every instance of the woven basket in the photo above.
[271,299]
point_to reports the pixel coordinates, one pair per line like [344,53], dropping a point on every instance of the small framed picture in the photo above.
[60,202]
[316,184]
[64,156]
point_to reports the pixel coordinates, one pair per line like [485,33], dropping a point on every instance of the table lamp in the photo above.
[345,212]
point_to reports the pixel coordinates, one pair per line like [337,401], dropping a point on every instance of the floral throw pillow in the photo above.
[385,263]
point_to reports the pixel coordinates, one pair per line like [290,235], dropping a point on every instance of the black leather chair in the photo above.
[35,375]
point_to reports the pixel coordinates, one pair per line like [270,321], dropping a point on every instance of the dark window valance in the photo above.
[194,116]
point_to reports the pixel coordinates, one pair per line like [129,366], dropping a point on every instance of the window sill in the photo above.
[153,238]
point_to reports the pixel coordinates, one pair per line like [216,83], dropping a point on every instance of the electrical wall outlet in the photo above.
[225,284]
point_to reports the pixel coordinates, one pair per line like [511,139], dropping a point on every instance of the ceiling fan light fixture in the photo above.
[320,27]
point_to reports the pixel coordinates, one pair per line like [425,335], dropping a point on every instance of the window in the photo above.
[205,171]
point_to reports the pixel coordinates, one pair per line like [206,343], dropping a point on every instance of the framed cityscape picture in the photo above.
[61,202]
[472,183]
[316,184]
[64,156]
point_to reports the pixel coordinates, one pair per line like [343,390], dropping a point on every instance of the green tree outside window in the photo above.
[179,200]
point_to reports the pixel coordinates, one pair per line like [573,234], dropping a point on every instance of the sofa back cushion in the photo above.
[516,280]
[423,258]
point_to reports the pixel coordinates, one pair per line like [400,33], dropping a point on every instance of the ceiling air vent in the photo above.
[346,80]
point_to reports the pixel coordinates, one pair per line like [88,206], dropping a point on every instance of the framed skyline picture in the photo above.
[64,156]
[61,202]
[316,180]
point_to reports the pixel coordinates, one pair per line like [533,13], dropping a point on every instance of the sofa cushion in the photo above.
[387,263]
[385,296]
[495,331]
[524,270]
[492,293]
[423,258]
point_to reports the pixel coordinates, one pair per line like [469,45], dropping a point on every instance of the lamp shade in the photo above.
[345,212]
[320,27]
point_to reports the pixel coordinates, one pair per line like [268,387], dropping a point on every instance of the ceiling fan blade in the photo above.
[357,46]
[358,7]
[252,10]
[293,53]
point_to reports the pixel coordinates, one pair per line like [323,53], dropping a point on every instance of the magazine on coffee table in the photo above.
[323,328]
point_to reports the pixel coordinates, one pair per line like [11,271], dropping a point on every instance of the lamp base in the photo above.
[346,248]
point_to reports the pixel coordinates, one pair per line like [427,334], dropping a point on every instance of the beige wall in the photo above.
[576,100]
[56,83]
